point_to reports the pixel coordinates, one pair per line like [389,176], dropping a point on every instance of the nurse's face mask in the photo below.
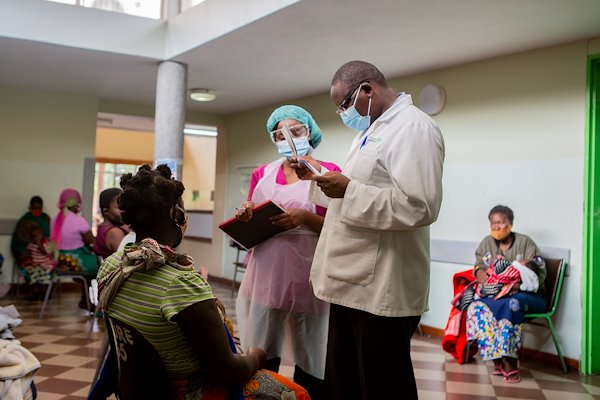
[300,137]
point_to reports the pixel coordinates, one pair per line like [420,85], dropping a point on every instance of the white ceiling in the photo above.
[294,52]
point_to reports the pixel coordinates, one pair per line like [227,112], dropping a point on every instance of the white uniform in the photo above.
[373,251]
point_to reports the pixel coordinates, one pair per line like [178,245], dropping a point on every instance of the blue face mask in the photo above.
[303,147]
[352,118]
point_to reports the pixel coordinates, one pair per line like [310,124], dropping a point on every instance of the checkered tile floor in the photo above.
[69,357]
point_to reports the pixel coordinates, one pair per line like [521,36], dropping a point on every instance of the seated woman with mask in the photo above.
[22,233]
[157,291]
[496,323]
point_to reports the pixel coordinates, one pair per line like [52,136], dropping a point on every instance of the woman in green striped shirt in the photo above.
[158,292]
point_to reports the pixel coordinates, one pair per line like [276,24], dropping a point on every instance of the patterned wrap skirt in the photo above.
[497,325]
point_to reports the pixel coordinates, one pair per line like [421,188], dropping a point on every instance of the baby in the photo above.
[39,262]
[503,275]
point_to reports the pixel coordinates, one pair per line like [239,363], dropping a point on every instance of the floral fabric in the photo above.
[263,385]
[495,338]
[78,260]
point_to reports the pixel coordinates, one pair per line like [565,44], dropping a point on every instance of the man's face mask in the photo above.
[36,213]
[352,118]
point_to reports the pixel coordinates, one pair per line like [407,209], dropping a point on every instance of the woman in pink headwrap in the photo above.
[73,237]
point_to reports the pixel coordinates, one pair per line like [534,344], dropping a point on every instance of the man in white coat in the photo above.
[372,258]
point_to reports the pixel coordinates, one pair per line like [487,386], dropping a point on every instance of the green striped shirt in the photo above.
[148,301]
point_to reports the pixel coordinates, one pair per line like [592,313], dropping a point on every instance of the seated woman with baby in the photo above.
[510,276]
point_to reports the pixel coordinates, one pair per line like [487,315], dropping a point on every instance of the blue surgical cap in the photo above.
[300,115]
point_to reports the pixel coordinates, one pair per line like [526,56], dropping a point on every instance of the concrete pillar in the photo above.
[171,91]
[170,8]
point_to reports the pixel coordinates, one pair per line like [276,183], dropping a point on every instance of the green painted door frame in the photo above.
[590,330]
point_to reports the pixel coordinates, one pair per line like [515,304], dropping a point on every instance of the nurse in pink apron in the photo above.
[276,309]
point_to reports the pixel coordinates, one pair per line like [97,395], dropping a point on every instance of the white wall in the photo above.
[45,137]
[514,132]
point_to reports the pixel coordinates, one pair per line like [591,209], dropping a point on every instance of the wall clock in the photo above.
[432,99]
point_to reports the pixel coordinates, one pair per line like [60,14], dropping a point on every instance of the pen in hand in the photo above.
[244,213]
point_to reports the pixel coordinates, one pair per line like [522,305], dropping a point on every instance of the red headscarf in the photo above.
[68,198]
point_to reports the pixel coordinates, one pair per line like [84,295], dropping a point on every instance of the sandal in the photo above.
[513,376]
[498,367]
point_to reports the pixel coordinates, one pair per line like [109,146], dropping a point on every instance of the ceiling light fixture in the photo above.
[200,130]
[202,94]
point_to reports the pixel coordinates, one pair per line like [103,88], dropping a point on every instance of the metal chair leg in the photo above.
[93,294]
[46,297]
[92,320]
[55,283]
[86,290]
[87,294]
[558,349]
[15,279]
[102,360]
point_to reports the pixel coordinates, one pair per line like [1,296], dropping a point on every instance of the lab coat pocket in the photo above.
[363,165]
[354,255]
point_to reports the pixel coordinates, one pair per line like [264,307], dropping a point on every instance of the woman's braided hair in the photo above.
[148,194]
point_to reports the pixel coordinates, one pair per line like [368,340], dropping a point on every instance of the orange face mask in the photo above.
[502,233]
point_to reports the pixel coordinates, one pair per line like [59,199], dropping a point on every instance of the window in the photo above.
[140,8]
[185,4]
[107,175]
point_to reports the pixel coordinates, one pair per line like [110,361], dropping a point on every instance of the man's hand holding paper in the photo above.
[332,184]
[307,168]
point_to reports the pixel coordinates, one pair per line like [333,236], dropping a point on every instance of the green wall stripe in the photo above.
[590,348]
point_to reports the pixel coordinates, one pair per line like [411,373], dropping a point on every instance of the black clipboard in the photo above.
[258,229]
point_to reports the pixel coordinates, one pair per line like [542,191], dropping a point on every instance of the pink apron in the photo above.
[276,308]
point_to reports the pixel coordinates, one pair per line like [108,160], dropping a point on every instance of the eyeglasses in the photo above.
[343,106]
[297,131]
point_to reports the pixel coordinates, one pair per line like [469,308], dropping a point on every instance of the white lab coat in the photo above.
[373,251]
